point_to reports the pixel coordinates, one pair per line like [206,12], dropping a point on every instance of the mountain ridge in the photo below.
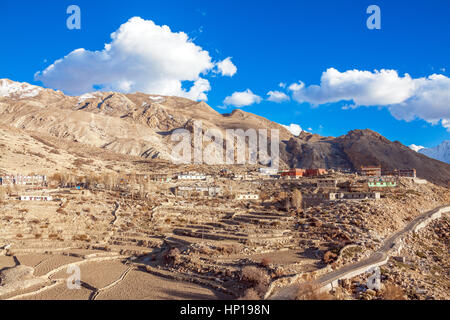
[441,152]
[139,124]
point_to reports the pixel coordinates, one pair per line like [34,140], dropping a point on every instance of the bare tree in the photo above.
[297,199]
[2,194]
[263,196]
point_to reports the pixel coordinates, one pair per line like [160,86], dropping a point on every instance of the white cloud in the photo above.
[293,128]
[406,98]
[141,56]
[282,85]
[416,148]
[242,99]
[430,101]
[226,67]
[277,96]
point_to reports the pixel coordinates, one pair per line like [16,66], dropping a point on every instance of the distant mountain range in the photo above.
[141,125]
[440,152]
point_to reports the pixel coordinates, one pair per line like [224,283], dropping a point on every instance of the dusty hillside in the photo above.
[141,125]
[363,147]
[134,124]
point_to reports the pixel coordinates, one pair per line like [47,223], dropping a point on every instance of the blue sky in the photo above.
[270,42]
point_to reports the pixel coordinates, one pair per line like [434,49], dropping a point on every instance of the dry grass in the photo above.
[310,291]
[81,237]
[61,211]
[250,294]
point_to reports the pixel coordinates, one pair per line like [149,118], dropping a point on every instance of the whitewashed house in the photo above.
[36,198]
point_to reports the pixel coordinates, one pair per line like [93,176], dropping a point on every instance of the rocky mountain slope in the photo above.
[363,147]
[141,125]
[135,124]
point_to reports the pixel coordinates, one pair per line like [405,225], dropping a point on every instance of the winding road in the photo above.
[378,258]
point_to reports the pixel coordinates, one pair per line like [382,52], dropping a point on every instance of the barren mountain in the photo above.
[141,125]
[363,147]
[135,124]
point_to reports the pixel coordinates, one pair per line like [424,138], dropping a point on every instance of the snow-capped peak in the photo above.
[18,90]
[293,128]
[416,148]
[157,99]
[90,95]
[441,152]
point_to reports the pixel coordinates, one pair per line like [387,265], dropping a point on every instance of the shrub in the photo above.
[297,199]
[265,262]
[421,254]
[254,275]
[81,237]
[256,278]
[61,211]
[250,294]
[329,257]
[172,257]
[393,292]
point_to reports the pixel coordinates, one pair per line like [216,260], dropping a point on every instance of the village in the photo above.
[215,228]
[317,185]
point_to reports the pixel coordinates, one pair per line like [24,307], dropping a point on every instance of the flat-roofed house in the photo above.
[293,173]
[247,196]
[198,191]
[268,171]
[411,173]
[327,183]
[191,176]
[36,198]
[382,182]
[370,171]
[23,180]
[315,172]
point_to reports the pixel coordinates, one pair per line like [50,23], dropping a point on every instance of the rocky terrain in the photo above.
[362,147]
[419,272]
[216,247]
[135,238]
[141,125]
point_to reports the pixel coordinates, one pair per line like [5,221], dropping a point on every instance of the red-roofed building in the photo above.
[293,173]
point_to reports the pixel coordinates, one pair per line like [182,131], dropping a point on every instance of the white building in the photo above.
[191,176]
[36,198]
[247,196]
[268,171]
[198,191]
[23,180]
